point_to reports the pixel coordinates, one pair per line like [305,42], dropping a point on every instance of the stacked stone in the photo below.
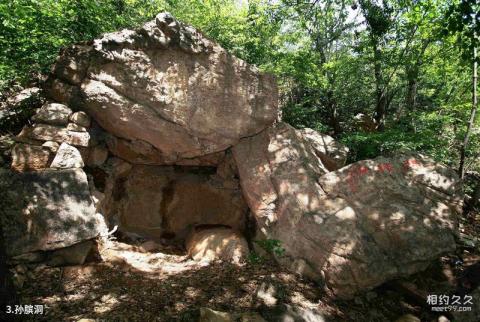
[58,139]
[48,179]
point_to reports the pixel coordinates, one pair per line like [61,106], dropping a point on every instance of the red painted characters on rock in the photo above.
[411,164]
[354,174]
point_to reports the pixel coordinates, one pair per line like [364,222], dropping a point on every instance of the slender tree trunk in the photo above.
[381,103]
[411,98]
[332,108]
[7,294]
[471,121]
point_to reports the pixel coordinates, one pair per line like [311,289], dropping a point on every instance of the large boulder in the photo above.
[46,210]
[354,228]
[168,86]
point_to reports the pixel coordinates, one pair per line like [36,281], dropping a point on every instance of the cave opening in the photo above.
[167,204]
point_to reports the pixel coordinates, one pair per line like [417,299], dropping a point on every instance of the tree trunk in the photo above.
[333,113]
[7,293]
[471,121]
[411,98]
[381,103]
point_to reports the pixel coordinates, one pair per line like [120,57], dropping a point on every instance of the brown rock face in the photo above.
[354,228]
[26,157]
[167,85]
[164,202]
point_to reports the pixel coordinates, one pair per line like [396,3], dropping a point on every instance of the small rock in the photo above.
[209,315]
[52,146]
[45,132]
[81,118]
[266,293]
[53,113]
[67,157]
[408,318]
[76,128]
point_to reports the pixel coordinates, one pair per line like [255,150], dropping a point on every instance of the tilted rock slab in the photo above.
[167,85]
[354,228]
[46,210]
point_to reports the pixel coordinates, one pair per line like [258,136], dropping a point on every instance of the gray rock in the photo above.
[44,132]
[52,146]
[81,119]
[47,210]
[53,113]
[67,157]
[72,255]
[76,128]
[27,94]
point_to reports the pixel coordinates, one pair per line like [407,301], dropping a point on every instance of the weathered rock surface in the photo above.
[18,108]
[356,227]
[72,255]
[44,132]
[51,146]
[97,156]
[67,157]
[76,128]
[160,201]
[53,113]
[210,244]
[26,157]
[81,119]
[141,152]
[167,85]
[332,153]
[46,210]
